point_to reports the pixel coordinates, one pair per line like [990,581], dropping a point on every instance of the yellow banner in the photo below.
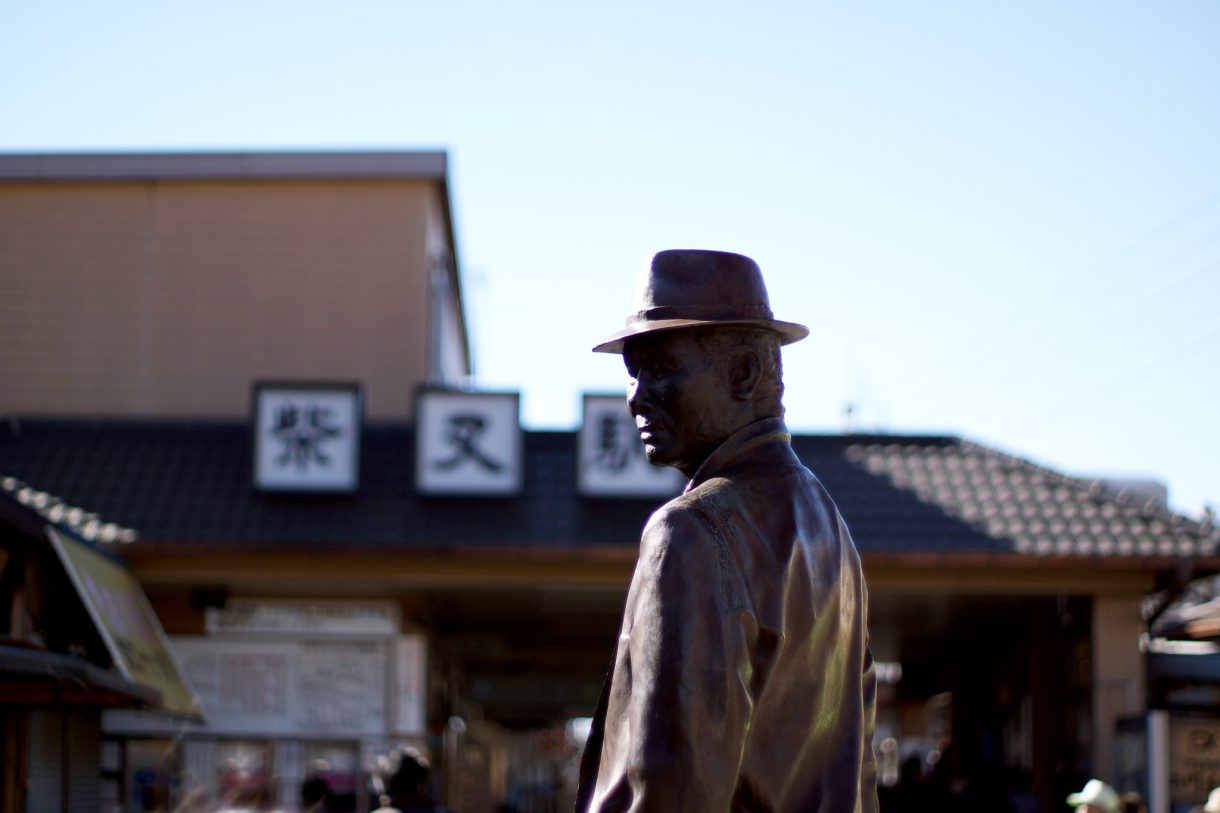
[127,623]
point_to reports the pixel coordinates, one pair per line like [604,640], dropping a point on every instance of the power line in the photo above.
[1096,389]
[1036,316]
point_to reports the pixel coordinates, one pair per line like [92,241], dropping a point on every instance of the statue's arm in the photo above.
[690,706]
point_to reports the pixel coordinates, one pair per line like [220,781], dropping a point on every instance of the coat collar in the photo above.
[737,445]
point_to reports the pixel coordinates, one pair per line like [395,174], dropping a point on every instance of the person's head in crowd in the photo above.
[1212,805]
[1132,802]
[313,793]
[403,776]
[1096,797]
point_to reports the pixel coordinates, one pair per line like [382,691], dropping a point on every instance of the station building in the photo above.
[260,363]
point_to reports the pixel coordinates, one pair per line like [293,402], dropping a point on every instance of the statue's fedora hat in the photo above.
[693,287]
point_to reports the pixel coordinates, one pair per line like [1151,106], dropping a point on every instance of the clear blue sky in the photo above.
[1001,220]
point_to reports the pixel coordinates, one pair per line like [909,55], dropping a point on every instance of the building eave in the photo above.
[428,165]
[37,678]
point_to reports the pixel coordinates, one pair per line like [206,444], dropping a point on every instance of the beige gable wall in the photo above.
[171,298]
[448,346]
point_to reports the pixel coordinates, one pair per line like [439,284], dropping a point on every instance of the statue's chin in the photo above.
[657,456]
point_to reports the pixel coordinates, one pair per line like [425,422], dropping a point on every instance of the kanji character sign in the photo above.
[467,443]
[307,437]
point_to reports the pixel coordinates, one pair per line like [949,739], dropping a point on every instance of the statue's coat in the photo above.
[742,678]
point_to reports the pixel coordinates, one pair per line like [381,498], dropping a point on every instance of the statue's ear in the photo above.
[746,372]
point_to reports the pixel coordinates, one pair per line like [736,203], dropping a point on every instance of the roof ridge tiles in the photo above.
[1146,507]
[56,511]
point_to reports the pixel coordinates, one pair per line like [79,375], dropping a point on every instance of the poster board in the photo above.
[307,687]
[125,620]
[1194,758]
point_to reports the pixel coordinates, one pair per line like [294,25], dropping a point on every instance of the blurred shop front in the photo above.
[292,690]
[77,637]
[1181,731]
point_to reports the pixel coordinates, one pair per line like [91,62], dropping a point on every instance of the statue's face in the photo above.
[679,398]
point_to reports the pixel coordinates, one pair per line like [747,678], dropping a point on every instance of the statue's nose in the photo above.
[638,392]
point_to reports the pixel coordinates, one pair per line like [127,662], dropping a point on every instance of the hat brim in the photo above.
[789,332]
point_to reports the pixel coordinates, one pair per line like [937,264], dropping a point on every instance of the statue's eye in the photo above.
[660,372]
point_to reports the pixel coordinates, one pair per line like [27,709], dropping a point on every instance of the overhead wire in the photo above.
[1118,298]
[1098,388]
[1052,304]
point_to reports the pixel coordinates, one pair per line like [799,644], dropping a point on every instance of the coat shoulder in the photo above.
[682,519]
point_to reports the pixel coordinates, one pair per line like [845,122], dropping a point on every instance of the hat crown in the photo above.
[683,288]
[694,282]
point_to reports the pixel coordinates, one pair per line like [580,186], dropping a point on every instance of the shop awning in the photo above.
[31,678]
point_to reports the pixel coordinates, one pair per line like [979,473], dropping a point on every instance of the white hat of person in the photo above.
[1213,802]
[1096,794]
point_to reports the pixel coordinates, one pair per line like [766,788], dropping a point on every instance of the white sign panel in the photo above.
[307,438]
[251,617]
[411,686]
[611,457]
[289,687]
[1194,758]
[467,443]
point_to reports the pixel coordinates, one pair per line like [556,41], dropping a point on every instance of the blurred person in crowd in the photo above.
[1132,802]
[1211,806]
[1021,797]
[1069,774]
[314,795]
[1096,797]
[912,793]
[247,800]
[949,784]
[403,784]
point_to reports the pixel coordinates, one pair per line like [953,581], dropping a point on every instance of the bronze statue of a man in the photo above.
[742,680]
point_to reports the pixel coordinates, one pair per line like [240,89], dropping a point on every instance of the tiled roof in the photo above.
[182,483]
[190,483]
[1036,510]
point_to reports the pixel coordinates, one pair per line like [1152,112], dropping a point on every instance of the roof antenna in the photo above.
[849,417]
